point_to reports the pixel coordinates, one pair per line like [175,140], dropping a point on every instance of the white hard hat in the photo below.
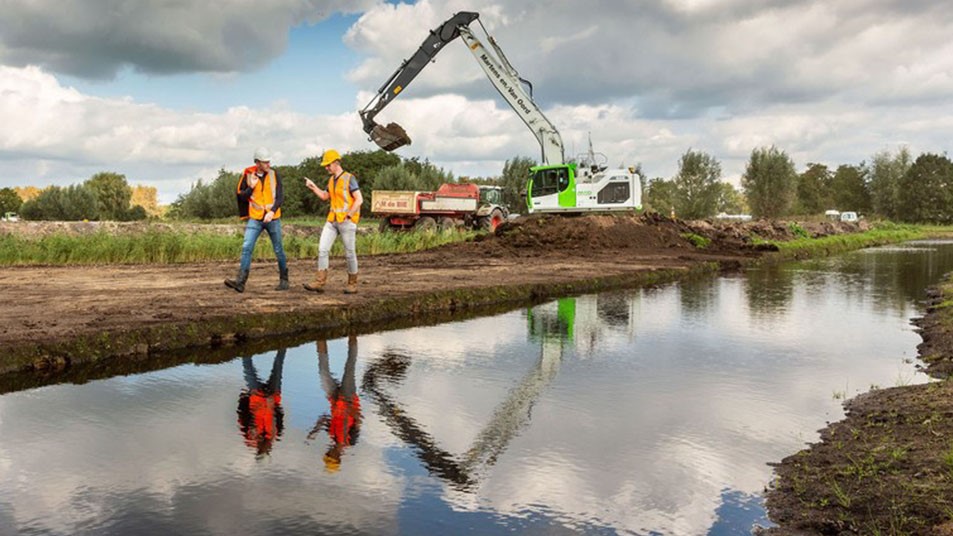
[262,154]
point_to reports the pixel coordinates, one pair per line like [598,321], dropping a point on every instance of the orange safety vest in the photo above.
[341,198]
[263,195]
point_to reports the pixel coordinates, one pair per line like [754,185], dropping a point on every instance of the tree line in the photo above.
[104,196]
[892,185]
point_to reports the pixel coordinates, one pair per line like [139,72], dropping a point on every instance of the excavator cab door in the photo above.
[551,188]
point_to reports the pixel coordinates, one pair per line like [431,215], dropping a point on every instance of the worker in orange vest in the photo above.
[259,194]
[346,199]
[344,421]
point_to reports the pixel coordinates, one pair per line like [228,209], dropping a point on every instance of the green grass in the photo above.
[881,234]
[698,241]
[170,247]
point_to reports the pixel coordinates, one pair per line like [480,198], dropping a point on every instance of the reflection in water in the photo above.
[344,422]
[260,416]
[649,412]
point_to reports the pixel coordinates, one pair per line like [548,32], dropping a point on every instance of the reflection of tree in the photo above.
[697,295]
[769,290]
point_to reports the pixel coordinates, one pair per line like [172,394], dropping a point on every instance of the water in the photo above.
[653,411]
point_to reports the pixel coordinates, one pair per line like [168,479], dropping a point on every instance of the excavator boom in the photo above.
[497,68]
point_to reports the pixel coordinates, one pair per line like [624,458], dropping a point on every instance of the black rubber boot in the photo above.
[283,280]
[239,282]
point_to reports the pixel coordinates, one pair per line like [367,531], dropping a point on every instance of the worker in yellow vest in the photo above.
[259,196]
[346,199]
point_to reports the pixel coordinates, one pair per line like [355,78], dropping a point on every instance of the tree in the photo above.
[730,200]
[113,193]
[885,173]
[9,201]
[513,182]
[27,193]
[814,190]
[660,196]
[769,182]
[926,190]
[73,203]
[849,188]
[146,197]
[697,185]
[209,200]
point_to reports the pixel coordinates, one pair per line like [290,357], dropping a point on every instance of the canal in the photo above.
[652,411]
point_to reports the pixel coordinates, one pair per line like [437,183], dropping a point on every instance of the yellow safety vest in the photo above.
[341,198]
[263,195]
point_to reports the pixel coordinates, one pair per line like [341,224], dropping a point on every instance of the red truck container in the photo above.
[452,205]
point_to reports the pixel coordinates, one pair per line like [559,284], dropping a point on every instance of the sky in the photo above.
[168,92]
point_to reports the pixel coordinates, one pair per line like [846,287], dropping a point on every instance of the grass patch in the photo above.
[173,246]
[698,241]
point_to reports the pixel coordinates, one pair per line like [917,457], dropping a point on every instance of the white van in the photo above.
[849,217]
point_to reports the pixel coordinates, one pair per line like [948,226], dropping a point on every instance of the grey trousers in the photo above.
[348,232]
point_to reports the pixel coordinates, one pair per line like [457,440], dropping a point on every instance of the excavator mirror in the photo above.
[391,137]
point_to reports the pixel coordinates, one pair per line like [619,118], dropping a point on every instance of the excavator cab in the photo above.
[551,187]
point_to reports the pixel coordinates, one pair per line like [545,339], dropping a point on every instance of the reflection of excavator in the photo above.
[554,326]
[554,186]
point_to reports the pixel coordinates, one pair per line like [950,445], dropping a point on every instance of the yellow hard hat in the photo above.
[331,464]
[330,156]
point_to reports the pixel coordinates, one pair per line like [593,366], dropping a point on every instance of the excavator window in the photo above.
[550,181]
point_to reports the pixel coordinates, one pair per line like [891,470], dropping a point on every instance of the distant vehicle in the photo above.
[470,205]
[11,216]
[832,214]
[849,217]
[733,217]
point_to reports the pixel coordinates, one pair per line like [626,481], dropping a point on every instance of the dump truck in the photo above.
[452,205]
[585,184]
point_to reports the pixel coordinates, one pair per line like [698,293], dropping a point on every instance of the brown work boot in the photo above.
[351,287]
[320,279]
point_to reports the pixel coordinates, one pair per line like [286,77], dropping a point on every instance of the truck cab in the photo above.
[11,216]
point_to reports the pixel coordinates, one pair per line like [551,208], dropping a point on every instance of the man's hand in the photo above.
[252,180]
[269,216]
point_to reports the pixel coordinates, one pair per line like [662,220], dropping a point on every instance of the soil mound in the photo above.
[544,234]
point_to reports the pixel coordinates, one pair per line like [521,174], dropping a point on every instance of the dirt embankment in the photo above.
[887,468]
[57,316]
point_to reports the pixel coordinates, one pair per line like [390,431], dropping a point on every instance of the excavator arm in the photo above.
[497,68]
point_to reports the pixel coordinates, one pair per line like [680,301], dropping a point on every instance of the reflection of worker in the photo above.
[345,212]
[260,416]
[344,422]
[259,196]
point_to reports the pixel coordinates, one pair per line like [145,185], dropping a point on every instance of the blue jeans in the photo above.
[252,230]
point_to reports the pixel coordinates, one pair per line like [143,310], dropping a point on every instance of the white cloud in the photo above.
[96,38]
[64,136]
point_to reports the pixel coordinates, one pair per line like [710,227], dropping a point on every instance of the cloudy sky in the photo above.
[169,91]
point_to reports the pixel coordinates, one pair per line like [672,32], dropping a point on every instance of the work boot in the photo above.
[283,280]
[320,279]
[239,282]
[351,287]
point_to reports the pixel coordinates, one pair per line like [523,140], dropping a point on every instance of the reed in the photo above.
[175,246]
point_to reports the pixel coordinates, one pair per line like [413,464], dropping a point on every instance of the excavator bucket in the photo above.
[390,137]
